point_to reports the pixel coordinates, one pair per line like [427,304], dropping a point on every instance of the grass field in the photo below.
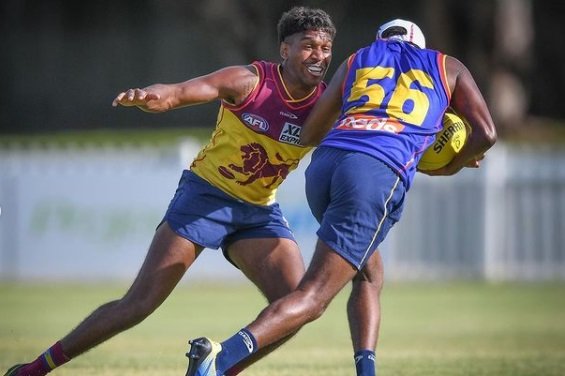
[427,329]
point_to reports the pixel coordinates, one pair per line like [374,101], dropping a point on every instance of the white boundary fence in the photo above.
[89,214]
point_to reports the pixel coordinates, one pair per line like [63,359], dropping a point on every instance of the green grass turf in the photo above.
[427,329]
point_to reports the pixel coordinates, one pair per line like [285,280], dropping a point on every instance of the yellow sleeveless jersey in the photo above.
[256,144]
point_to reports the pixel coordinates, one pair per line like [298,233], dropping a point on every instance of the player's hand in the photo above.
[452,169]
[134,97]
[475,162]
[444,171]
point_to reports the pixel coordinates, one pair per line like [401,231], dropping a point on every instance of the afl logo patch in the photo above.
[255,122]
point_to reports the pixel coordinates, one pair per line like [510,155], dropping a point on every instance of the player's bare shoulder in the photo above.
[454,69]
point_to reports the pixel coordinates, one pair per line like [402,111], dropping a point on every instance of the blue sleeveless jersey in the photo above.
[394,98]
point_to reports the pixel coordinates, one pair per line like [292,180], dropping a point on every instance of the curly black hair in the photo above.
[299,19]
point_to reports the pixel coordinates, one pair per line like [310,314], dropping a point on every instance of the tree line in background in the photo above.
[64,61]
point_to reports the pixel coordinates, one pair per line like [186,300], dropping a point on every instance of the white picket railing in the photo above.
[505,221]
[89,213]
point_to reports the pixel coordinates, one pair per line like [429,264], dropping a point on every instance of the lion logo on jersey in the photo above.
[256,165]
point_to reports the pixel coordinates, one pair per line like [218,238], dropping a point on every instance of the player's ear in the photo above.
[284,50]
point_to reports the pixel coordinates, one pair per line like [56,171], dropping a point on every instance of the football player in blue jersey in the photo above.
[382,109]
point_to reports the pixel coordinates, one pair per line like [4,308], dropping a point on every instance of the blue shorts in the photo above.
[356,199]
[207,216]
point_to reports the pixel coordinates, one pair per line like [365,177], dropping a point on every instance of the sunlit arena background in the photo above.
[475,270]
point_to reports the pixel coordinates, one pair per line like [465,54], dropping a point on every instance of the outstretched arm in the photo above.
[232,84]
[467,101]
[326,110]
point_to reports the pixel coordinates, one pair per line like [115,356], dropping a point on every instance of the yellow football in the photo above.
[449,141]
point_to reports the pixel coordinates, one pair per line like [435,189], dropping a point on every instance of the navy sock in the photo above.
[365,363]
[235,349]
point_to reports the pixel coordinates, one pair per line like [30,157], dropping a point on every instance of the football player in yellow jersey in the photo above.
[226,199]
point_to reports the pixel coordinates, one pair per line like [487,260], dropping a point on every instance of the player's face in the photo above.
[307,56]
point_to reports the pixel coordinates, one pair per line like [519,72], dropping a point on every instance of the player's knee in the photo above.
[314,306]
[372,275]
[318,310]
